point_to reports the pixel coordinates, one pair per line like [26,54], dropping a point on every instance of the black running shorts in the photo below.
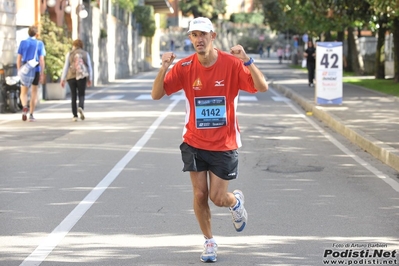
[36,79]
[224,164]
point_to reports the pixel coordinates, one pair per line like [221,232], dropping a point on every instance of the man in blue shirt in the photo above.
[29,49]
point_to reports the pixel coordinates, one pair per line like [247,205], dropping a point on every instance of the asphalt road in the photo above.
[109,190]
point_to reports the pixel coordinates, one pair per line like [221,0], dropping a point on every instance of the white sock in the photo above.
[210,239]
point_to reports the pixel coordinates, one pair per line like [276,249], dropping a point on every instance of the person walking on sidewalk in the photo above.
[211,80]
[31,49]
[310,55]
[280,53]
[79,74]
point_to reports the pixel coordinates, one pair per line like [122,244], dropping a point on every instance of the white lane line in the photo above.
[391,182]
[113,97]
[247,98]
[52,240]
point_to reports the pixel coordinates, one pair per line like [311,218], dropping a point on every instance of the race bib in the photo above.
[210,112]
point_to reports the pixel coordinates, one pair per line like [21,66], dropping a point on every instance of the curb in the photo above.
[376,148]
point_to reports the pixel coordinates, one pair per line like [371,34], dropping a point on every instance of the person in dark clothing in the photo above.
[260,50]
[310,55]
[78,73]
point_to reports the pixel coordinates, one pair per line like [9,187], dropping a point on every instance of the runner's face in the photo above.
[201,40]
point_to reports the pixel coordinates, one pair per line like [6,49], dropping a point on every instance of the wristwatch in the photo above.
[251,60]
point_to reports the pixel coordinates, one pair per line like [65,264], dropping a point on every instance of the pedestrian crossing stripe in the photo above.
[113,97]
[247,98]
[144,97]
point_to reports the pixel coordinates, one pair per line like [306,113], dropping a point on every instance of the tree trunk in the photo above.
[348,66]
[379,59]
[353,53]
[327,36]
[395,34]
[340,36]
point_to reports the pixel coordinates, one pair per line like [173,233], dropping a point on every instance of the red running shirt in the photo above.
[211,99]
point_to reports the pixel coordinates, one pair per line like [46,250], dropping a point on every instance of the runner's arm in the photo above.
[258,78]
[158,90]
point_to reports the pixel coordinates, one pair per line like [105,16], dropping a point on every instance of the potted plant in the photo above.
[57,45]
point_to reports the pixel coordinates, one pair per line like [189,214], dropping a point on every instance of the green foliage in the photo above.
[314,16]
[387,86]
[250,44]
[203,8]
[323,17]
[128,5]
[103,33]
[250,18]
[145,17]
[57,45]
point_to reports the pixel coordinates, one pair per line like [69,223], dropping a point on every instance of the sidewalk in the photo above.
[367,118]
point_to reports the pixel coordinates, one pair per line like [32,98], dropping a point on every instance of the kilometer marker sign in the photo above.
[328,73]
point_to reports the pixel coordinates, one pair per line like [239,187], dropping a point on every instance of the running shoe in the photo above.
[81,113]
[75,119]
[31,118]
[24,113]
[239,213]
[209,253]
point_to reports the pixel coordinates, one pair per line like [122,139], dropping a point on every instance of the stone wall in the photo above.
[116,49]
[8,42]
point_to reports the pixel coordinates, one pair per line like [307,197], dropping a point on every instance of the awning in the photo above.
[160,6]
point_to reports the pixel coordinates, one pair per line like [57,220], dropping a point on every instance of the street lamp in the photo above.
[70,5]
[52,3]
[83,12]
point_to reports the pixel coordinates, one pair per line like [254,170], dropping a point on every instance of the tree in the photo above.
[390,9]
[145,17]
[320,18]
[128,5]
[382,28]
[323,17]
[255,18]
[395,33]
[57,45]
[203,8]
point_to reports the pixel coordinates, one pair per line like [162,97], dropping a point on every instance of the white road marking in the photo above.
[391,182]
[52,240]
[144,97]
[247,98]
[113,97]
[280,99]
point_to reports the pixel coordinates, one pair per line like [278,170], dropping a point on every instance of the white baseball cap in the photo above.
[201,24]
